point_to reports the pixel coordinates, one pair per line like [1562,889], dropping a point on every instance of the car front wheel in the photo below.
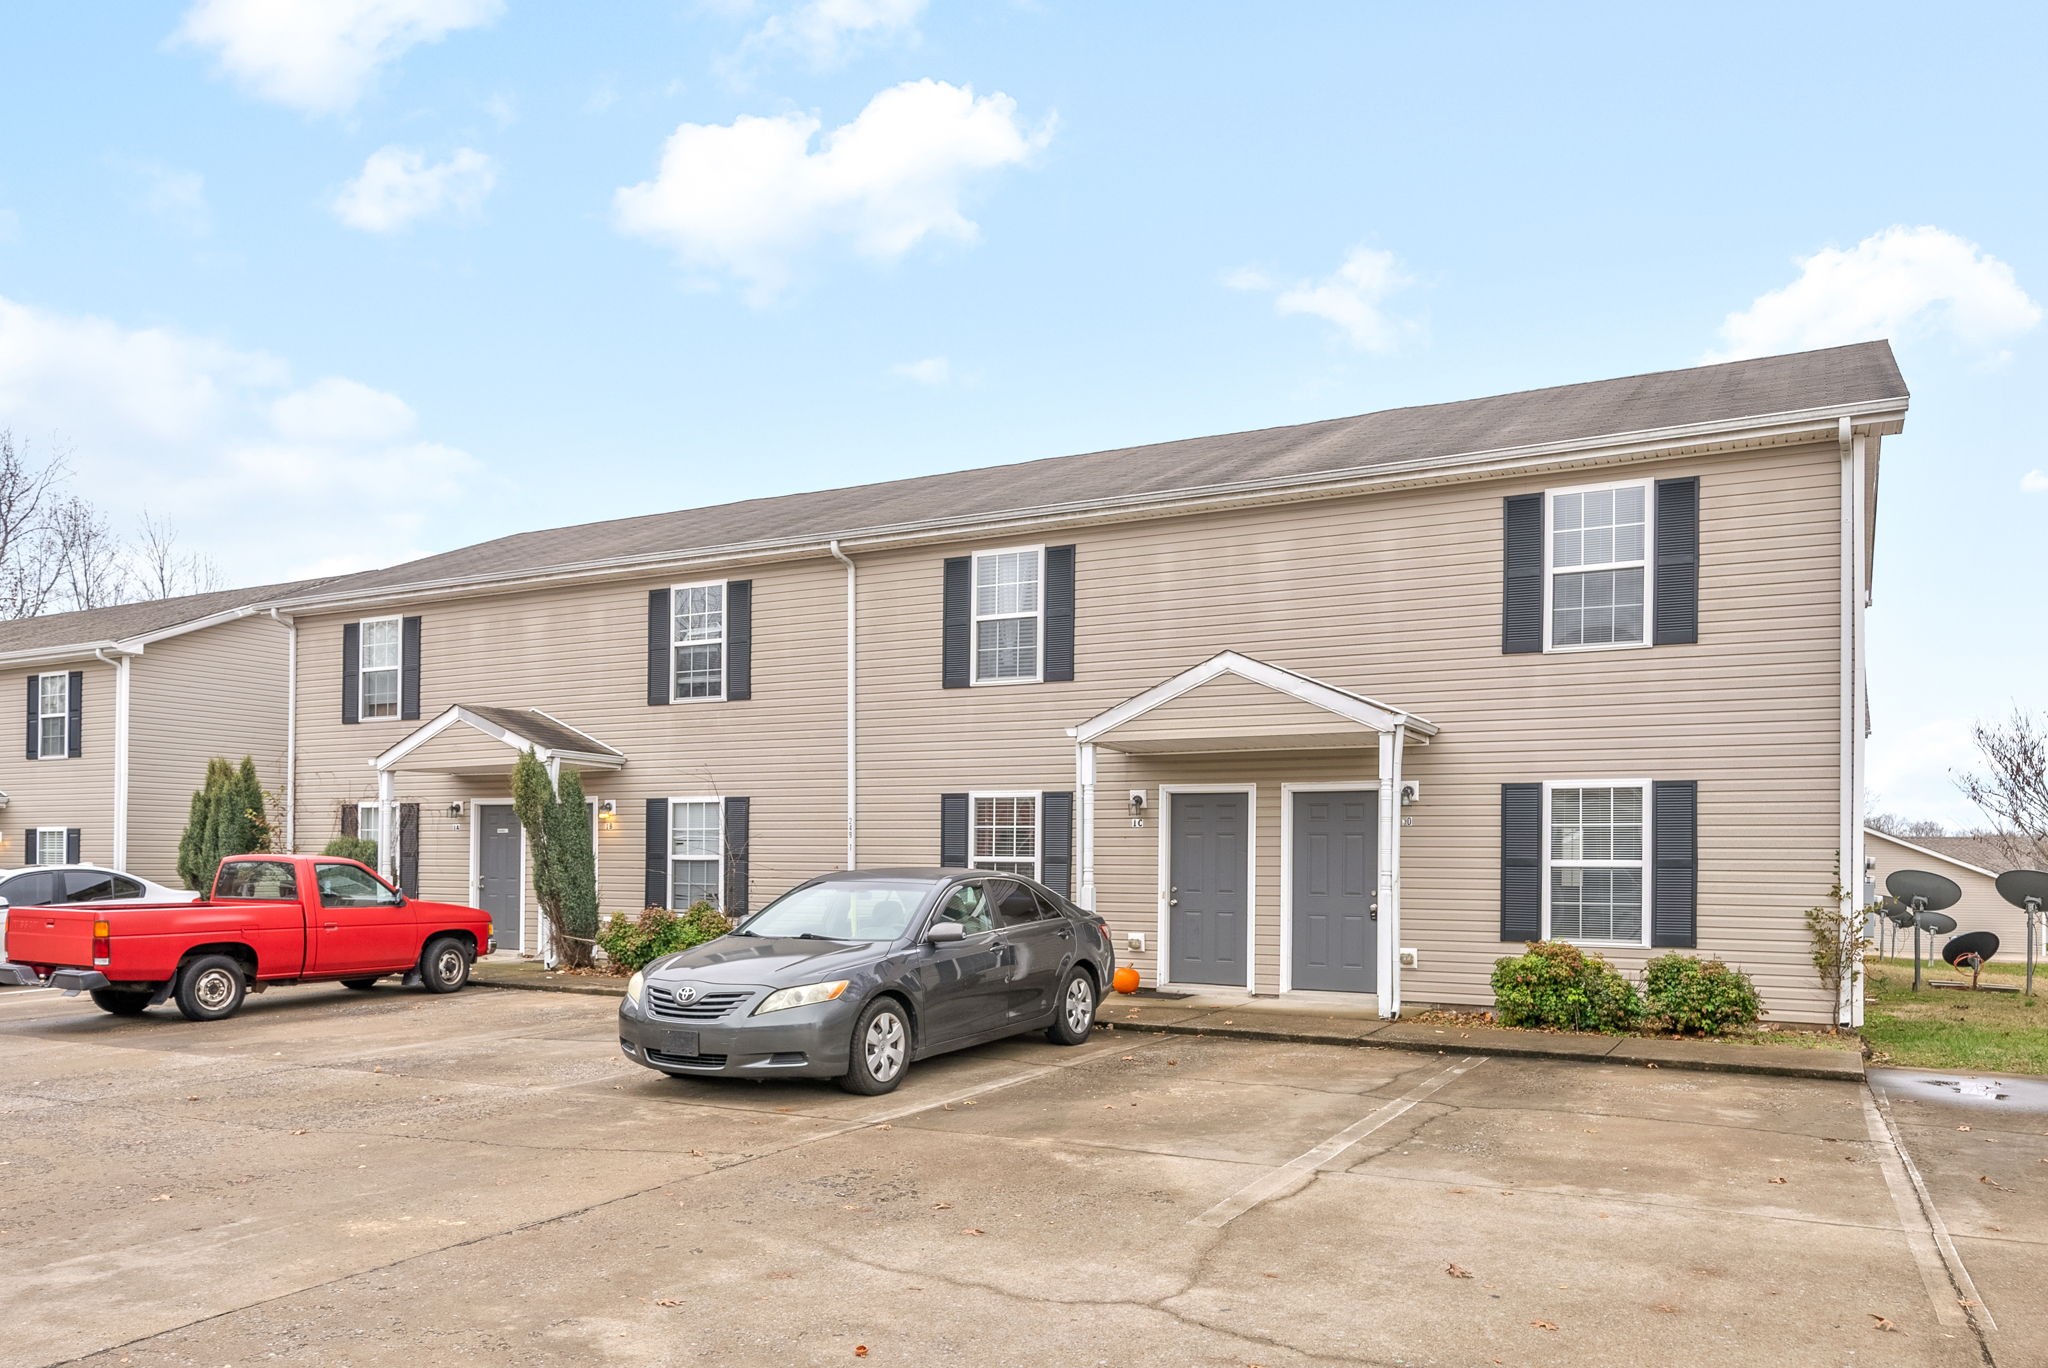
[444,966]
[1075,1015]
[881,1049]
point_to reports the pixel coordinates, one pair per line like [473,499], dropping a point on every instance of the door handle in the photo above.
[1374,908]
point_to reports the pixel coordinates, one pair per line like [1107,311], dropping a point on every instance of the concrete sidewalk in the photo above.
[1257,1020]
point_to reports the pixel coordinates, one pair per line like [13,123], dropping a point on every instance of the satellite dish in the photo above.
[1926,892]
[1978,945]
[1935,923]
[1897,913]
[2021,886]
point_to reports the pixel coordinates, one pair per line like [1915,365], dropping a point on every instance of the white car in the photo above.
[43,885]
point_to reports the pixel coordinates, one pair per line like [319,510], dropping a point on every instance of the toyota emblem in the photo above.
[686,994]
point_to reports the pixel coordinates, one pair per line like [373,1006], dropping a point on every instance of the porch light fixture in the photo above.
[455,811]
[607,811]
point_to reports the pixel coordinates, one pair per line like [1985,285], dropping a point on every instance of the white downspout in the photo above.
[1848,1008]
[291,730]
[121,716]
[1084,783]
[1859,698]
[387,828]
[1383,892]
[852,683]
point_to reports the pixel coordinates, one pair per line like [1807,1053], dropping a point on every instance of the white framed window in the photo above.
[53,716]
[51,847]
[1009,616]
[381,642]
[1597,862]
[1596,582]
[697,641]
[1003,832]
[696,852]
[370,823]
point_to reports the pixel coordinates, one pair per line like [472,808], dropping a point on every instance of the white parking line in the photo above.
[1941,1268]
[1298,1170]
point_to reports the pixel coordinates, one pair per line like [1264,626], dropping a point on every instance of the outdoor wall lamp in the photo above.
[455,811]
[607,811]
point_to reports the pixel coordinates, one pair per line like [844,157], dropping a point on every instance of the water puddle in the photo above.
[2019,1093]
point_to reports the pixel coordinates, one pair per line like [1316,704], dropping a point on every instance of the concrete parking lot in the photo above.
[335,1178]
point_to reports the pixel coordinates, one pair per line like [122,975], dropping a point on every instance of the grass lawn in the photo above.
[1952,1028]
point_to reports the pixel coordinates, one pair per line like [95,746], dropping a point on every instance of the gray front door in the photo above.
[1207,873]
[497,869]
[1336,890]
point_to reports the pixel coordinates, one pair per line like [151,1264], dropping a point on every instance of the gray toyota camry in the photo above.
[855,975]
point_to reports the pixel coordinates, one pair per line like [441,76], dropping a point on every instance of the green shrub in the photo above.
[632,942]
[1702,996]
[361,849]
[1563,987]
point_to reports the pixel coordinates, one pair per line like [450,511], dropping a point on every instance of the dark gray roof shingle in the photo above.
[55,631]
[1728,392]
[536,726]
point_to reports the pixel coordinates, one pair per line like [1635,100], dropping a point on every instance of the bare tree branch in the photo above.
[162,570]
[31,567]
[2012,789]
[94,560]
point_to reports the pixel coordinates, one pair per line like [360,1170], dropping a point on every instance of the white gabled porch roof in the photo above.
[1325,702]
[551,740]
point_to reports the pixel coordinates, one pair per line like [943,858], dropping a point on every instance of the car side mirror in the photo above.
[945,933]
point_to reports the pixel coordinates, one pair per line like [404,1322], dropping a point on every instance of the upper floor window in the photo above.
[1008,615]
[1598,556]
[53,717]
[1004,833]
[383,659]
[1598,859]
[698,642]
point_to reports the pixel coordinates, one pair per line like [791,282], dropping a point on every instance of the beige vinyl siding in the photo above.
[1397,596]
[1982,909]
[1233,713]
[77,791]
[581,655]
[217,691]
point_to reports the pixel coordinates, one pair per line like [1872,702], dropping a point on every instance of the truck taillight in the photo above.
[102,942]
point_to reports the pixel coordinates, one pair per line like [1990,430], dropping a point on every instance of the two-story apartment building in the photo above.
[1355,706]
[120,710]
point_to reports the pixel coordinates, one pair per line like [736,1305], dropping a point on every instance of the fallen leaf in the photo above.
[885,1126]
[1126,1058]
[1992,1182]
[191,1097]
[974,1230]
[668,1301]
[161,1197]
[303,1131]
[1667,1310]
[942,1206]
[1780,1181]
[1882,1323]
[1544,1325]
[1649,1066]
[1456,1272]
[1962,1128]
[860,1351]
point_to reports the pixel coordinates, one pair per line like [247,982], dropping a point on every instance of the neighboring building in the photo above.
[1973,862]
[1285,706]
[122,708]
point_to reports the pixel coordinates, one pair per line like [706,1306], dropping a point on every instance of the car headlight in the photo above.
[807,996]
[634,985]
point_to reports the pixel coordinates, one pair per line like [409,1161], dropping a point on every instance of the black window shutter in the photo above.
[349,822]
[660,662]
[1521,862]
[1521,593]
[1059,612]
[953,830]
[1677,606]
[959,621]
[735,838]
[1056,842]
[409,849]
[351,672]
[739,640]
[74,728]
[657,848]
[409,670]
[1675,873]
[35,720]
[31,849]
[71,844]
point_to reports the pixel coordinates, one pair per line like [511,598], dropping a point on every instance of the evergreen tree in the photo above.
[564,865]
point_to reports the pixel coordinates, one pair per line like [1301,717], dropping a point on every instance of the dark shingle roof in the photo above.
[1864,373]
[544,731]
[89,626]
[1995,853]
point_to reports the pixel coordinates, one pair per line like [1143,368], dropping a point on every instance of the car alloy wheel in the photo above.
[884,1047]
[1080,1005]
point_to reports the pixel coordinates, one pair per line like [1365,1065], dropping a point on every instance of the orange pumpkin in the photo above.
[1126,980]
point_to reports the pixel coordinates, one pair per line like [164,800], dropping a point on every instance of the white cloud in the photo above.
[399,185]
[933,370]
[828,32]
[1901,282]
[2034,482]
[748,197]
[1352,298]
[249,465]
[321,55]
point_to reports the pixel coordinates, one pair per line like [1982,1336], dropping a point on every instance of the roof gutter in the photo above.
[1773,430]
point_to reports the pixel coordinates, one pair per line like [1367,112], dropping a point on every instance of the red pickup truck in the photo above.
[271,919]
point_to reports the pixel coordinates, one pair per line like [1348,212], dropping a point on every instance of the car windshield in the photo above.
[878,911]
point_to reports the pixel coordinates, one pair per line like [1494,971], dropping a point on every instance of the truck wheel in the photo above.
[360,985]
[444,967]
[122,1001]
[211,987]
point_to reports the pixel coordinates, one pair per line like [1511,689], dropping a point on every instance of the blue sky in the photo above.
[336,285]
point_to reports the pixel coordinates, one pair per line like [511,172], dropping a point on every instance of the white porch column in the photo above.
[1084,794]
[1388,896]
[387,826]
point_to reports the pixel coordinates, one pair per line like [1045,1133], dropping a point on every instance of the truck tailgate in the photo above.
[50,935]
